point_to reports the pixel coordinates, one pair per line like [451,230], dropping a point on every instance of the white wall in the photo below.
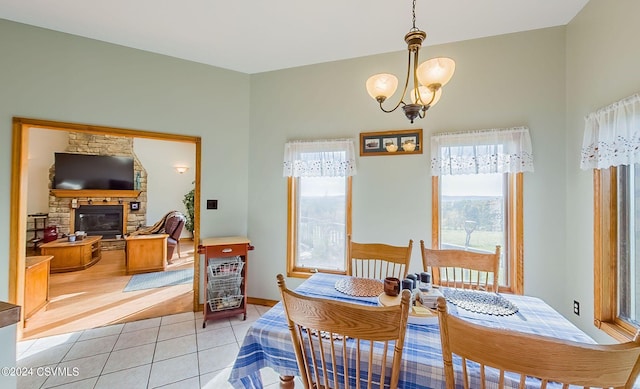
[503,81]
[7,356]
[56,76]
[42,146]
[165,186]
[602,67]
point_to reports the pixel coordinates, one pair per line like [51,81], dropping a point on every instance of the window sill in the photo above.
[306,273]
[616,331]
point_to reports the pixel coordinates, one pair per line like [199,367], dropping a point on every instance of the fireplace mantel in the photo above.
[94,193]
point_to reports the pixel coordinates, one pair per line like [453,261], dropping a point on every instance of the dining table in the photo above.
[267,342]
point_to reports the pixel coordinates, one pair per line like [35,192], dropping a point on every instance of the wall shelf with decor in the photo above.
[398,142]
[95,193]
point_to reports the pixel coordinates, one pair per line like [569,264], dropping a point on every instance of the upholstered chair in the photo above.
[173,226]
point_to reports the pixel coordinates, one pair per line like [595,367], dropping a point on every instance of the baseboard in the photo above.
[259,301]
[250,300]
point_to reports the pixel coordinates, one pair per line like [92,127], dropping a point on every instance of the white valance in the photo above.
[319,158]
[502,150]
[612,135]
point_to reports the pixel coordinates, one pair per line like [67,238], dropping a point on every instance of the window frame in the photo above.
[293,270]
[605,251]
[514,252]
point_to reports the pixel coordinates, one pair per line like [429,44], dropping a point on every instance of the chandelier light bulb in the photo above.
[425,96]
[382,86]
[436,72]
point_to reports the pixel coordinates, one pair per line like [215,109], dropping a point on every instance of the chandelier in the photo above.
[427,79]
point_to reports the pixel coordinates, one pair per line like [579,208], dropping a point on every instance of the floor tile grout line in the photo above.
[197,351]
[155,347]
[107,360]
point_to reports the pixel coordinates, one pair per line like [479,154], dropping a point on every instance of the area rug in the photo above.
[159,279]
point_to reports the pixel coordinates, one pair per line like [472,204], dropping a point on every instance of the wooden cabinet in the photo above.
[36,284]
[225,280]
[146,253]
[72,256]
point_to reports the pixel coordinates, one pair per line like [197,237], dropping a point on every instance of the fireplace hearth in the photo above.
[105,220]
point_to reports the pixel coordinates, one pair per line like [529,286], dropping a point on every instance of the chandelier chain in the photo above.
[414,15]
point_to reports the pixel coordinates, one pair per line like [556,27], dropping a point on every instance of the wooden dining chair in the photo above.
[324,330]
[378,260]
[462,269]
[517,359]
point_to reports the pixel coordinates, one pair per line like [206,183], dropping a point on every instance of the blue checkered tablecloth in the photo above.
[268,342]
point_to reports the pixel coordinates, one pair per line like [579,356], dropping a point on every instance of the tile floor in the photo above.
[165,352]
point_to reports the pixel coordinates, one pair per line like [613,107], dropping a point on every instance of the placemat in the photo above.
[480,302]
[360,287]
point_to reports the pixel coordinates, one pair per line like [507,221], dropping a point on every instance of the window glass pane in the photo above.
[321,216]
[472,214]
[628,240]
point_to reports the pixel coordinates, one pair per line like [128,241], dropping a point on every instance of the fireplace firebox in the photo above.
[105,220]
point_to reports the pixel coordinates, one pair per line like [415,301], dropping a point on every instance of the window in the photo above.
[319,205]
[472,214]
[617,236]
[628,239]
[611,147]
[477,195]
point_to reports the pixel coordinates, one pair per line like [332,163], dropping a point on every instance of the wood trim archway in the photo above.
[18,208]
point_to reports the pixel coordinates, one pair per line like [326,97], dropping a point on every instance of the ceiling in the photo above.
[254,36]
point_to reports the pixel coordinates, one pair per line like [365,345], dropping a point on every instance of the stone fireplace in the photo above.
[64,211]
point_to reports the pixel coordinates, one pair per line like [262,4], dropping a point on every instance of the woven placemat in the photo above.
[480,302]
[360,287]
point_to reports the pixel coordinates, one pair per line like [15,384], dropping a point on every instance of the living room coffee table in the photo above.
[72,256]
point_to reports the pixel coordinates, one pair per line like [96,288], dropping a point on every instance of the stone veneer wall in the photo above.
[85,143]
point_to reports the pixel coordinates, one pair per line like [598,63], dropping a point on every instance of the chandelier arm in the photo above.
[418,95]
[404,90]
[416,84]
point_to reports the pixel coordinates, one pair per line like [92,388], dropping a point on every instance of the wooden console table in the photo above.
[36,284]
[72,256]
[146,253]
[225,279]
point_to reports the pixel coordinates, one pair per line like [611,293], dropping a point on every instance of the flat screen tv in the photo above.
[84,171]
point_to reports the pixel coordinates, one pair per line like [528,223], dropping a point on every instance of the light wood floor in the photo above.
[94,297]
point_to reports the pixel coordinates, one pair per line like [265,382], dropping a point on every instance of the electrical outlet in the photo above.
[576,307]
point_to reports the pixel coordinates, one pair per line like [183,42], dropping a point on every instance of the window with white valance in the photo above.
[319,158]
[611,147]
[319,204]
[505,150]
[477,202]
[612,135]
